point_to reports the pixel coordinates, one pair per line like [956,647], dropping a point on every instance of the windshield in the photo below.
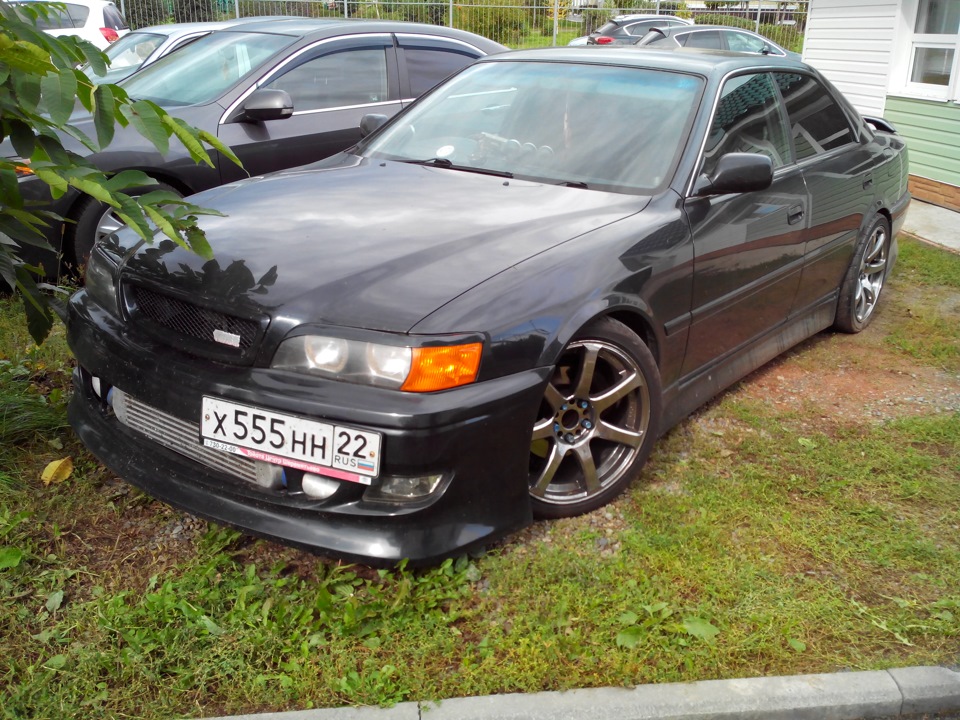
[205,69]
[593,126]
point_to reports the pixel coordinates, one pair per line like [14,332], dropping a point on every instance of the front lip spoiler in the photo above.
[453,525]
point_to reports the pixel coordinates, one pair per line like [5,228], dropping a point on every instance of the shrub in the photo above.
[498,20]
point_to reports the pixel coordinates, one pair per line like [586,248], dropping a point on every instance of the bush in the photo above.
[148,12]
[498,20]
[726,20]
[195,11]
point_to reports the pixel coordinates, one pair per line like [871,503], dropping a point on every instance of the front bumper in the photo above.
[477,436]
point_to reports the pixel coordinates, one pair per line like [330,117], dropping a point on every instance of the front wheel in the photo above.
[597,422]
[860,291]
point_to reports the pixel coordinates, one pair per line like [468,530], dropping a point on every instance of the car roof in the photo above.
[650,16]
[172,29]
[690,60]
[324,27]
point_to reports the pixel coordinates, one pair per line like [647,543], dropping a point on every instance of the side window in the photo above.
[817,122]
[741,42]
[641,28]
[349,77]
[748,119]
[428,66]
[704,39]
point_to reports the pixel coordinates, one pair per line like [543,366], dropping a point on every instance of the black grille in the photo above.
[192,321]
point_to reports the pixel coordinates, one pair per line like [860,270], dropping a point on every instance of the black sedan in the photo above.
[489,309]
[280,92]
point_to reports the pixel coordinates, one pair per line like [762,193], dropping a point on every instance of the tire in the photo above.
[861,287]
[92,221]
[597,422]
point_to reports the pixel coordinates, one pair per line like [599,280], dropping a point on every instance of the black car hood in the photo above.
[369,244]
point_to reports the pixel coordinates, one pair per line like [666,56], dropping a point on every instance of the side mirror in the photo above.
[267,105]
[371,122]
[736,173]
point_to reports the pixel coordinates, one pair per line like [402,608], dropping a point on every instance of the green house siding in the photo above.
[932,132]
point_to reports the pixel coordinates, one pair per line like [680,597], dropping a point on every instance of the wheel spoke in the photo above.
[554,397]
[109,225]
[546,477]
[623,436]
[587,369]
[617,392]
[588,467]
[879,242]
[543,429]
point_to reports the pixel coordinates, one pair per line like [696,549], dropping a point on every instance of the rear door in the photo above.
[333,84]
[426,60]
[838,167]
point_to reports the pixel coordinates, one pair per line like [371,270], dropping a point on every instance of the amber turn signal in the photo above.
[443,367]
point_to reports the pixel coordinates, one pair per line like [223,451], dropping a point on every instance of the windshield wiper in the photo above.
[448,164]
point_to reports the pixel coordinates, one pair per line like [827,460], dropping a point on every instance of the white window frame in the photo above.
[905,53]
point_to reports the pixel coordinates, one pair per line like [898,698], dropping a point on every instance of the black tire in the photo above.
[861,287]
[597,423]
[92,220]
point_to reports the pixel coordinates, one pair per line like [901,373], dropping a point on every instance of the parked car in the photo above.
[98,21]
[280,93]
[486,311]
[147,45]
[714,37]
[627,29]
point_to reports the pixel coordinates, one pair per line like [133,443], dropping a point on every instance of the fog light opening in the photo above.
[319,487]
[407,488]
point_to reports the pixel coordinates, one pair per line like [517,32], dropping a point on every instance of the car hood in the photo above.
[370,244]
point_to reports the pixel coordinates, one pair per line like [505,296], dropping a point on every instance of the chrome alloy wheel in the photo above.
[108,224]
[592,423]
[873,270]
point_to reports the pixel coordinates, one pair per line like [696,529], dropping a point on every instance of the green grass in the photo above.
[761,539]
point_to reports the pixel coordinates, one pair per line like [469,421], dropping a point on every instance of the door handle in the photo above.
[795,214]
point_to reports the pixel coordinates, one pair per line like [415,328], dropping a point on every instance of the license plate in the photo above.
[289,440]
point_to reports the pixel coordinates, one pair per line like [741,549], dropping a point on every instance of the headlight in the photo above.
[100,281]
[422,369]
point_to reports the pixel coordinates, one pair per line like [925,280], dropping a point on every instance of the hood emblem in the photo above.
[226,338]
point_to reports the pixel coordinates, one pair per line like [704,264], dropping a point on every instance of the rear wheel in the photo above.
[860,291]
[597,422]
[94,221]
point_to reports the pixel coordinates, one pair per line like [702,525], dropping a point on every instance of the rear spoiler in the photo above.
[880,124]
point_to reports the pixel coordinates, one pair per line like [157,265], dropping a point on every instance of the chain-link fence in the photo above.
[517,24]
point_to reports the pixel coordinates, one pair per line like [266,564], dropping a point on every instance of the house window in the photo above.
[934,69]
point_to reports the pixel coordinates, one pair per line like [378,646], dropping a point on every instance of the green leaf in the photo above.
[58,184]
[54,600]
[214,142]
[628,618]
[129,180]
[10,557]
[27,57]
[59,90]
[85,89]
[210,626]
[23,138]
[629,637]
[57,662]
[189,137]
[162,221]
[797,645]
[80,137]
[104,114]
[7,263]
[700,628]
[807,443]
[35,306]
[146,118]
[197,240]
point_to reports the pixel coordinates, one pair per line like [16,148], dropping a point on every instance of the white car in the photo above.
[98,21]
[147,45]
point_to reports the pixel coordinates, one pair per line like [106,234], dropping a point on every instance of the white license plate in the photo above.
[289,440]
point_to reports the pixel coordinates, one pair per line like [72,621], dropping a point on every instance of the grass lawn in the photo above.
[808,520]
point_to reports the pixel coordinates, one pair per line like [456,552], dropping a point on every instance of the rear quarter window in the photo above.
[427,67]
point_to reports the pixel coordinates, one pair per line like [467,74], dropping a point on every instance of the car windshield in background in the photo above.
[559,123]
[126,55]
[203,70]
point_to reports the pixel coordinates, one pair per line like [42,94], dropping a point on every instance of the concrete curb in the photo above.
[895,693]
